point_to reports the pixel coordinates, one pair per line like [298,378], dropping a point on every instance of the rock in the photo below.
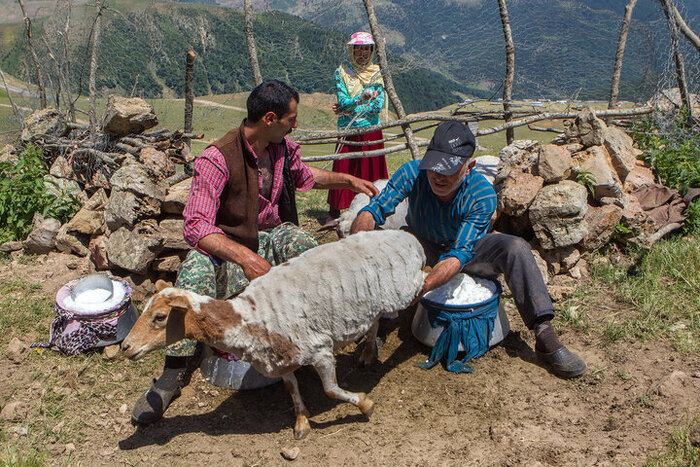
[601,225]
[517,192]
[580,271]
[290,453]
[16,350]
[126,209]
[42,238]
[17,430]
[573,147]
[8,153]
[11,246]
[167,264]
[98,253]
[14,411]
[622,154]
[669,100]
[68,242]
[127,115]
[90,219]
[637,178]
[171,231]
[69,448]
[176,198]
[60,187]
[586,128]
[519,156]
[554,163]
[157,161]
[596,161]
[134,249]
[638,222]
[561,260]
[123,408]
[110,352]
[61,168]
[45,122]
[138,179]
[557,214]
[673,385]
[487,166]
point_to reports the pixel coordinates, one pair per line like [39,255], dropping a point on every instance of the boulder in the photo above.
[637,178]
[61,186]
[487,166]
[124,208]
[90,219]
[134,249]
[71,242]
[167,264]
[586,129]
[171,231]
[561,260]
[176,198]
[45,122]
[520,156]
[124,116]
[517,192]
[557,214]
[157,161]
[61,168]
[601,225]
[622,154]
[541,265]
[42,238]
[98,253]
[669,100]
[11,246]
[16,350]
[138,179]
[596,161]
[554,163]
[640,224]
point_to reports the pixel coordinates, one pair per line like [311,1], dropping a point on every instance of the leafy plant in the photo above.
[587,179]
[23,193]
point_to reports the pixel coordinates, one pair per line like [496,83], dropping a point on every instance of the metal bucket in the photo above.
[232,374]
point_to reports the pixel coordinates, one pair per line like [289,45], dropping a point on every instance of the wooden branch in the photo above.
[133,142]
[550,130]
[663,231]
[667,5]
[177,178]
[250,41]
[67,66]
[93,66]
[685,29]
[621,43]
[386,76]
[127,148]
[510,69]
[32,52]
[189,89]
[57,69]
[15,110]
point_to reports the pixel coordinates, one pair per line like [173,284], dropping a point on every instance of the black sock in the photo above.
[545,338]
[173,373]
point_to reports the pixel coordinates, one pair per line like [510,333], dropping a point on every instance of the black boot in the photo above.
[561,361]
[151,406]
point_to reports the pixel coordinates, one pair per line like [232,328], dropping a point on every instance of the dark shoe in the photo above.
[152,405]
[563,363]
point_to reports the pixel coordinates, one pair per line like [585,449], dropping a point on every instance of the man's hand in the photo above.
[440,275]
[363,222]
[222,247]
[255,266]
[359,185]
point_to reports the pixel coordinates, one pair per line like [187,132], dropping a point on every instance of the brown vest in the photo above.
[238,212]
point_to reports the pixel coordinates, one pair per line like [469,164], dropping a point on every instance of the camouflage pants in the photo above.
[199,274]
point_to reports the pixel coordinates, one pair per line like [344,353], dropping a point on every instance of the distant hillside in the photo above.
[143,53]
[561,45]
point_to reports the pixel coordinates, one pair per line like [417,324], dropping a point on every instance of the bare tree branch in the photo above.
[15,110]
[93,66]
[30,43]
[510,68]
[685,29]
[250,41]
[621,43]
[189,90]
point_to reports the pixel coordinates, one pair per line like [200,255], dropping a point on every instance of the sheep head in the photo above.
[161,323]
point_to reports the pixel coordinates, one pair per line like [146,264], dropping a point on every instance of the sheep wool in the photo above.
[328,296]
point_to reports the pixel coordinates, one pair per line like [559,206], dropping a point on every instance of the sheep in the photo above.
[393,222]
[297,314]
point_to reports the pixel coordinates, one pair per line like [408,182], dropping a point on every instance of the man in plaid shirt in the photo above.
[240,218]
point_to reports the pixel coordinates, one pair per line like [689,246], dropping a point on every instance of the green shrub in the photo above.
[674,155]
[23,193]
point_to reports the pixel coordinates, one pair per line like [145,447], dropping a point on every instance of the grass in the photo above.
[663,286]
[680,450]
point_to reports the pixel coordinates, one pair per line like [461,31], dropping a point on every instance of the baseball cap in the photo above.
[451,146]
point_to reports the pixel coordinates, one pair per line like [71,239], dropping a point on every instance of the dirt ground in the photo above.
[510,411]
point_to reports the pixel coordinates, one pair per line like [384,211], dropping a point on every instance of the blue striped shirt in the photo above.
[455,225]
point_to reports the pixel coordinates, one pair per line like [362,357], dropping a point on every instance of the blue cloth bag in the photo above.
[469,325]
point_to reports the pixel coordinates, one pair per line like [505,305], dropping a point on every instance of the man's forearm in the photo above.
[441,273]
[222,247]
[325,179]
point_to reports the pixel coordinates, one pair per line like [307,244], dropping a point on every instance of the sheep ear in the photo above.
[178,301]
[161,284]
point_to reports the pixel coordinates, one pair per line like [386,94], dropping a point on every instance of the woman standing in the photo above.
[361,100]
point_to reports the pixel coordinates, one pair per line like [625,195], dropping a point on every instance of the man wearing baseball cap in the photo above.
[449,210]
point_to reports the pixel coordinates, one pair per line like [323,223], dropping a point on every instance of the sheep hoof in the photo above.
[301,428]
[366,405]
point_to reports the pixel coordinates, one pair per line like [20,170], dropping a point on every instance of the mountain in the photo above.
[561,46]
[143,53]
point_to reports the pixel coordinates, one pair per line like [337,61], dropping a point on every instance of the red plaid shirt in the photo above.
[210,178]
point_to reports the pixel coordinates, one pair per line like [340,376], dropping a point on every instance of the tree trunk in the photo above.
[510,69]
[35,59]
[386,75]
[189,90]
[667,6]
[250,42]
[67,66]
[685,29]
[15,110]
[621,43]
[57,70]
[93,67]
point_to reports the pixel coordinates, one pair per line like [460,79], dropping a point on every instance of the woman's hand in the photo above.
[337,109]
[368,95]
